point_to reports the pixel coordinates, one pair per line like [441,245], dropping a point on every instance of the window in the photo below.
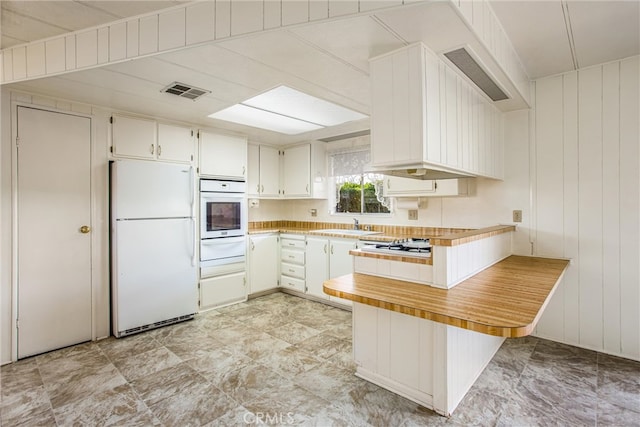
[356,191]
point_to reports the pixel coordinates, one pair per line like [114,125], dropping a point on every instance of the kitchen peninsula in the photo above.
[430,344]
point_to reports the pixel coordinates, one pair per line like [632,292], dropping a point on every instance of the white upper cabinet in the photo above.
[223,156]
[269,171]
[406,187]
[139,138]
[297,171]
[304,171]
[424,115]
[253,170]
[175,143]
[263,175]
[133,137]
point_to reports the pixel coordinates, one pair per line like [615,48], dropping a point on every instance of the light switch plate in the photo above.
[413,214]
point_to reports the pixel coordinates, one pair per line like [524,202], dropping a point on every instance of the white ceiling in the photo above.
[328,59]
[29,20]
[555,36]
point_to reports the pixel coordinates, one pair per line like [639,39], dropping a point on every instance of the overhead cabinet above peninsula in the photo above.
[428,122]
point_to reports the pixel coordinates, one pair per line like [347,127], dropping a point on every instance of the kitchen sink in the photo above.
[346,231]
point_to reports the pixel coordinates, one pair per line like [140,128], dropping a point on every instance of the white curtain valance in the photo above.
[351,162]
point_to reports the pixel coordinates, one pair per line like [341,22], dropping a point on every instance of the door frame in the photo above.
[97,238]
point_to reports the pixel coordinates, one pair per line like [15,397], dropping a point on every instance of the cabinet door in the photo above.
[133,137]
[269,171]
[297,171]
[222,290]
[340,261]
[398,186]
[223,156]
[317,266]
[253,170]
[263,262]
[175,143]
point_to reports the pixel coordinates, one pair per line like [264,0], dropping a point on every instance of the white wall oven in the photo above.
[223,223]
[223,209]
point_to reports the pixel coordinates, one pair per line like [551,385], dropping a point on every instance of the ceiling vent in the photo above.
[470,68]
[185,91]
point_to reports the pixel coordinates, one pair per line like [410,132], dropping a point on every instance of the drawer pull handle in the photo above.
[291,270]
[291,256]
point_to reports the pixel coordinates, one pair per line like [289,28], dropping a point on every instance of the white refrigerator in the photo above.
[153,244]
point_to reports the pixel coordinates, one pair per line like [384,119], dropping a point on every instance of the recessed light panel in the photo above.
[288,111]
[262,119]
[290,102]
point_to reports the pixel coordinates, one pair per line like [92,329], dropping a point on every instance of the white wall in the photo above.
[5,227]
[586,191]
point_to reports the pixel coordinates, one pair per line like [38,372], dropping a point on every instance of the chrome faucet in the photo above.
[356,224]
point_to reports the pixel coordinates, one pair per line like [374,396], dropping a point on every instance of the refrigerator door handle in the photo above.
[193,241]
[192,186]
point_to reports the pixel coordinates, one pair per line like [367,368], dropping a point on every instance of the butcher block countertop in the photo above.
[506,299]
[384,233]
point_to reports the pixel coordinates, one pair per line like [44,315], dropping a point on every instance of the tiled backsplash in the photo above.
[385,229]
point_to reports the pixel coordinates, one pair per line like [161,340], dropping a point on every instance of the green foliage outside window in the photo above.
[356,198]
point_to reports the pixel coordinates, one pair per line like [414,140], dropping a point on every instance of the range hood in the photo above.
[421,171]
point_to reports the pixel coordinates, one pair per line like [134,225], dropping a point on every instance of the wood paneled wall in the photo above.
[586,203]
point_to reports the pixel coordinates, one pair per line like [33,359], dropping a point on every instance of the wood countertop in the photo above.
[437,236]
[401,257]
[506,299]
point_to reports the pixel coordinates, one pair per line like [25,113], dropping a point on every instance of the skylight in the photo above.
[287,111]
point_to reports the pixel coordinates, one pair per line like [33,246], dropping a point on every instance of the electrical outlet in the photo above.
[517,216]
[314,212]
[413,214]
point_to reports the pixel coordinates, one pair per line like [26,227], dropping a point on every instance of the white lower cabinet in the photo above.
[317,266]
[292,266]
[264,260]
[223,289]
[326,259]
[341,262]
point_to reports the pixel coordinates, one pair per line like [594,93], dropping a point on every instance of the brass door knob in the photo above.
[85,229]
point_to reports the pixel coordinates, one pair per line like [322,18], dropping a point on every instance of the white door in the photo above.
[317,266]
[175,143]
[264,259]
[269,171]
[133,137]
[223,156]
[143,189]
[54,255]
[297,171]
[155,274]
[340,262]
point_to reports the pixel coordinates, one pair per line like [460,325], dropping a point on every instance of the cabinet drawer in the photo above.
[292,256]
[290,243]
[292,283]
[292,270]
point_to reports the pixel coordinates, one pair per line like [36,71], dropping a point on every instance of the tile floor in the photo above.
[284,360]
